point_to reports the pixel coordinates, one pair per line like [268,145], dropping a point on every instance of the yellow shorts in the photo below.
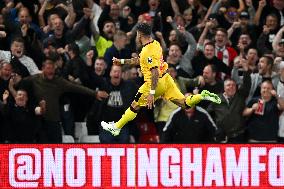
[166,88]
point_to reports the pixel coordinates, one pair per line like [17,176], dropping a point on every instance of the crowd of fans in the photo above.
[56,68]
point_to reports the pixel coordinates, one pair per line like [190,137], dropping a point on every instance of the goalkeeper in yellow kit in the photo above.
[158,83]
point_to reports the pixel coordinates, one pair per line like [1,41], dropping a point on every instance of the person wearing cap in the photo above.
[278,43]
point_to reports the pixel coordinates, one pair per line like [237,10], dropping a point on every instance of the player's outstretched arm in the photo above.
[132,61]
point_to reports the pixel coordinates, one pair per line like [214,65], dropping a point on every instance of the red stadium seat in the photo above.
[149,139]
[147,128]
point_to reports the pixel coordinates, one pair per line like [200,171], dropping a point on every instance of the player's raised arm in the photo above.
[132,61]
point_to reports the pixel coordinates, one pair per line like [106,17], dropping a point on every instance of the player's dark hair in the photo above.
[145,29]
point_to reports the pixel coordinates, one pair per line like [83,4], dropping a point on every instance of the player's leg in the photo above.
[129,115]
[192,100]
[174,94]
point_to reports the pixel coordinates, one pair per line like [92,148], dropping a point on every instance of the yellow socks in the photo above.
[192,100]
[126,117]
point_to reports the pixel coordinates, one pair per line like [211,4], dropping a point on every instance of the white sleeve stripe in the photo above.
[170,118]
[207,114]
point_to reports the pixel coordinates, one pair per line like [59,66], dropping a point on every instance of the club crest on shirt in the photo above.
[149,60]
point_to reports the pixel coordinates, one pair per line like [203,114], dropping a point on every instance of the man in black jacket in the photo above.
[228,114]
[192,125]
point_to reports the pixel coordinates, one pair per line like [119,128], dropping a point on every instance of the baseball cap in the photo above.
[213,16]
[244,14]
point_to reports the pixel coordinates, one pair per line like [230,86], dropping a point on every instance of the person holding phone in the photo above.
[264,114]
